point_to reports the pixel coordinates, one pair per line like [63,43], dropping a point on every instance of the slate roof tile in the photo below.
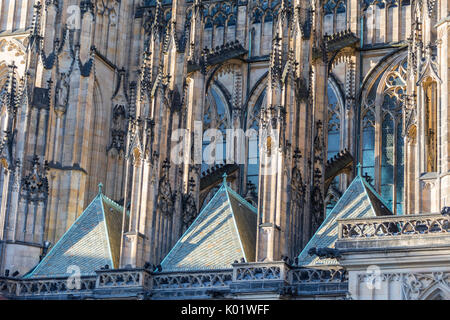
[92,242]
[359,201]
[225,231]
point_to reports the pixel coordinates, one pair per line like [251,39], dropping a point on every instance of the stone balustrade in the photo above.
[42,287]
[140,283]
[123,279]
[394,226]
[318,275]
[189,280]
[260,271]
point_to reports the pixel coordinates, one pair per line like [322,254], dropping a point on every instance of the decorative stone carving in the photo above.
[298,187]
[302,89]
[45,287]
[189,205]
[428,66]
[317,202]
[166,198]
[249,272]
[410,115]
[118,134]
[123,279]
[17,175]
[420,285]
[62,94]
[318,142]
[328,275]
[35,184]
[430,5]
[395,226]
[5,150]
[191,280]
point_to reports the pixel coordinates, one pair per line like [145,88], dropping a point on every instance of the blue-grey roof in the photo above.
[92,242]
[225,231]
[359,201]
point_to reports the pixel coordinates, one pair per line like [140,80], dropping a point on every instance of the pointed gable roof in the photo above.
[92,242]
[360,200]
[225,231]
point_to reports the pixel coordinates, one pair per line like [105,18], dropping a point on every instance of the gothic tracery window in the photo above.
[382,149]
[334,123]
[430,90]
[368,144]
[335,16]
[220,23]
[216,116]
[334,140]
[262,15]
[385,21]
[252,178]
[387,162]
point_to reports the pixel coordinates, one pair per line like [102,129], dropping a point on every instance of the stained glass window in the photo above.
[388,173]
[334,135]
[333,142]
[253,143]
[400,169]
[387,162]
[215,117]
[334,124]
[368,148]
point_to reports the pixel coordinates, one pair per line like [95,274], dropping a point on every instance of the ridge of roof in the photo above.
[368,187]
[110,226]
[233,217]
[241,199]
[108,240]
[112,202]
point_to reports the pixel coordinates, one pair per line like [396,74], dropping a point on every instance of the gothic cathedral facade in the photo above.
[103,91]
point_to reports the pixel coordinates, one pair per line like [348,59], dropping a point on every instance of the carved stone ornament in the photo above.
[35,184]
[166,198]
[62,95]
[433,285]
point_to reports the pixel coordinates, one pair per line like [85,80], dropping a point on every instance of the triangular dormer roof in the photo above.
[359,201]
[90,244]
[224,232]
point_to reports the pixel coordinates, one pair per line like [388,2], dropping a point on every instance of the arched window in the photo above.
[341,17]
[220,23]
[4,116]
[334,134]
[368,144]
[335,16]
[400,174]
[334,140]
[387,162]
[216,116]
[430,90]
[334,121]
[385,102]
[253,143]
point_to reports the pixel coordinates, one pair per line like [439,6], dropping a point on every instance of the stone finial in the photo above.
[359,169]
[225,178]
